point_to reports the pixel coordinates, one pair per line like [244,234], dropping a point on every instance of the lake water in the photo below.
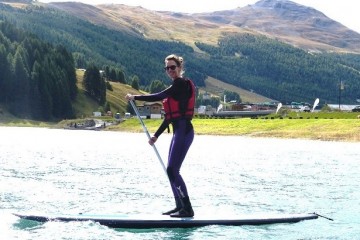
[75,171]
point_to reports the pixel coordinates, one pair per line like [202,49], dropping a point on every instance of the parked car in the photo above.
[356,109]
[305,109]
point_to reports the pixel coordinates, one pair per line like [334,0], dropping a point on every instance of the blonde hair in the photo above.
[178,60]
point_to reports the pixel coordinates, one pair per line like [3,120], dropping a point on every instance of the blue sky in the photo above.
[343,11]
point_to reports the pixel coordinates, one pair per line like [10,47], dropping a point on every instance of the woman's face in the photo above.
[172,70]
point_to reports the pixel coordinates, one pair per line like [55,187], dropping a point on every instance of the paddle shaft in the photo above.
[148,134]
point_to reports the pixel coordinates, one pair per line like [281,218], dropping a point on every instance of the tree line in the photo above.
[280,71]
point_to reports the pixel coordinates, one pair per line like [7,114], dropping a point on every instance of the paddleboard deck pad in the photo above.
[161,221]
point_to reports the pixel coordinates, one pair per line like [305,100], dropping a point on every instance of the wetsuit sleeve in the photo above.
[164,125]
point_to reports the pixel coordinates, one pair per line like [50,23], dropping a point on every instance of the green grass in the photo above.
[320,129]
[317,115]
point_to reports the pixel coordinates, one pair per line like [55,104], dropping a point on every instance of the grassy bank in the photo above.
[319,129]
[328,127]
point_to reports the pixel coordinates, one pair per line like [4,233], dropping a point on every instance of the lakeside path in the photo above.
[347,130]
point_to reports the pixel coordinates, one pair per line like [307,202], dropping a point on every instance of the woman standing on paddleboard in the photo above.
[178,102]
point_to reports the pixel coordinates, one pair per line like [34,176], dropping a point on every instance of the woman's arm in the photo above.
[164,125]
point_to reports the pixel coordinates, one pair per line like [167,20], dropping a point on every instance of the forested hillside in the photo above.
[37,80]
[95,44]
[253,62]
[280,71]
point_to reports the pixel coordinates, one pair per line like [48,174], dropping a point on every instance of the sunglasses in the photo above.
[172,67]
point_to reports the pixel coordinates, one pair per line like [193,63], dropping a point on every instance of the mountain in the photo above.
[292,23]
[289,22]
[288,52]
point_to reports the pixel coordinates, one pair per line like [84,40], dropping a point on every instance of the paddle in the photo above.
[153,145]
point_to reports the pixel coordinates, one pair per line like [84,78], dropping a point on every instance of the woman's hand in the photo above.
[152,140]
[129,97]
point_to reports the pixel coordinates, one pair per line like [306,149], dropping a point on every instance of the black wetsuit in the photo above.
[183,133]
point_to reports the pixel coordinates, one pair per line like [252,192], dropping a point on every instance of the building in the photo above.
[151,110]
[341,107]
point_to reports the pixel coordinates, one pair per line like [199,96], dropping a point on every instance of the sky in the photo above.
[342,11]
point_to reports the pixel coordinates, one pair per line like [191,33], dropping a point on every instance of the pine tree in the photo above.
[135,82]
[94,84]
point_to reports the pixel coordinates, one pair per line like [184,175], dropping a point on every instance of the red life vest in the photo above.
[172,106]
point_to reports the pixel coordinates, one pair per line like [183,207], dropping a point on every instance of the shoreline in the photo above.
[341,130]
